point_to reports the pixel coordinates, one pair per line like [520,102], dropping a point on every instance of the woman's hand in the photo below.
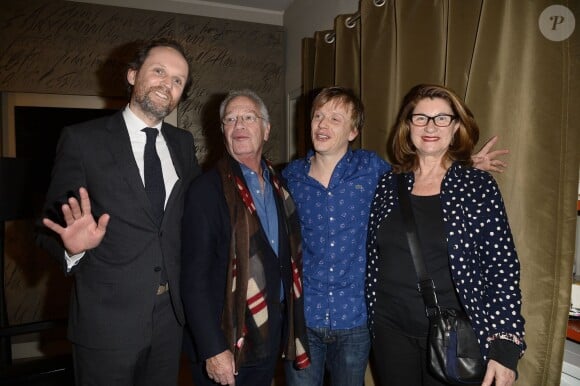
[501,374]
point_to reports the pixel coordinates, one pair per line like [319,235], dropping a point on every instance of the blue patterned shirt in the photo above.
[334,230]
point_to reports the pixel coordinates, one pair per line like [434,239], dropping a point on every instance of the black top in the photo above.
[399,304]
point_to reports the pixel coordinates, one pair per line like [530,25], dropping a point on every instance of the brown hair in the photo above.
[341,95]
[143,52]
[404,155]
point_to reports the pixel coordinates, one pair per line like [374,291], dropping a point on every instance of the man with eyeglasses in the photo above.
[333,188]
[241,259]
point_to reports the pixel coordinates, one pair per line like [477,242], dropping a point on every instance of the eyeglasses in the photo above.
[440,120]
[248,118]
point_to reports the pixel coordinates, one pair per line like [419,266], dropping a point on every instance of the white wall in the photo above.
[301,20]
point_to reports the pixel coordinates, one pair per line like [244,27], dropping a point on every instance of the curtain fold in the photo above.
[523,87]
[303,141]
[347,61]
[463,20]
[378,73]
[308,60]
[324,63]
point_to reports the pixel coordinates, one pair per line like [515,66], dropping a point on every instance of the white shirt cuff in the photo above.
[73,260]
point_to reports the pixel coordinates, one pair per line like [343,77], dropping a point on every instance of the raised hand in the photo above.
[81,232]
[487,159]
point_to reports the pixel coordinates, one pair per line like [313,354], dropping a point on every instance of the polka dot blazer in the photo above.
[482,255]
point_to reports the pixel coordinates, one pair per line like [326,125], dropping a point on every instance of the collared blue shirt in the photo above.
[334,230]
[264,202]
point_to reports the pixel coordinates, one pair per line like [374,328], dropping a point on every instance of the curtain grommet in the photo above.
[350,22]
[329,37]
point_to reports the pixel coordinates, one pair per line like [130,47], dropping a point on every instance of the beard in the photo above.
[158,110]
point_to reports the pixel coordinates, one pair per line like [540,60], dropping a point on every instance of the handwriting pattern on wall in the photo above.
[72,48]
[61,47]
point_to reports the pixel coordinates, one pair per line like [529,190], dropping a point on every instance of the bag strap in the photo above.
[425,285]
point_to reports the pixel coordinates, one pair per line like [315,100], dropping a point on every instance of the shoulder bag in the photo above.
[453,353]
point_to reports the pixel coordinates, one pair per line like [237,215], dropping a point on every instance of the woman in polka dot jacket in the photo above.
[465,238]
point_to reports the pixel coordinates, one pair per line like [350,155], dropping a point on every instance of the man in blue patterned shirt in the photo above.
[333,188]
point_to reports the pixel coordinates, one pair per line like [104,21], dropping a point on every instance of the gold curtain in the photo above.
[303,141]
[308,60]
[324,66]
[347,62]
[523,87]
[318,57]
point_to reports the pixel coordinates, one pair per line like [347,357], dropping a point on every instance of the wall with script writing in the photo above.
[71,48]
[61,47]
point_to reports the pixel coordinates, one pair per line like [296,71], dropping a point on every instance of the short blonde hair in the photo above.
[345,96]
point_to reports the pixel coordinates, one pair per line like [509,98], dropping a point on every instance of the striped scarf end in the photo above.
[302,361]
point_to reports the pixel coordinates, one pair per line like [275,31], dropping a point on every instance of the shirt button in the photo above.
[332,244]
[331,219]
[157,269]
[331,269]
[330,194]
[330,293]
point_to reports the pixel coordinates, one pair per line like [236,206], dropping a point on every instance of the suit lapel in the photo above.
[173,145]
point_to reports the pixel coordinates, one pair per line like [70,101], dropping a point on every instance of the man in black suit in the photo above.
[125,312]
[241,273]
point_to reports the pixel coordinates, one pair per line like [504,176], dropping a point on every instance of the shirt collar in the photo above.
[246,171]
[347,157]
[134,123]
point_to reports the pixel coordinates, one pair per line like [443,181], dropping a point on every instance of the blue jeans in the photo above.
[343,353]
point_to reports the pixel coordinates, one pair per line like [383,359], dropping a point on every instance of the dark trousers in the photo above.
[155,364]
[261,373]
[400,360]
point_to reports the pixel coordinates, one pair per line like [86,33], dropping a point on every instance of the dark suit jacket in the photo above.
[206,243]
[116,282]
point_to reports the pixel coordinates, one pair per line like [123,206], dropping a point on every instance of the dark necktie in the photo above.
[154,185]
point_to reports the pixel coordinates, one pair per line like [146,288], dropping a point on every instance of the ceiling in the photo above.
[270,5]
[256,11]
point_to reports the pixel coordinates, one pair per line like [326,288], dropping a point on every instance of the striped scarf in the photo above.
[245,314]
